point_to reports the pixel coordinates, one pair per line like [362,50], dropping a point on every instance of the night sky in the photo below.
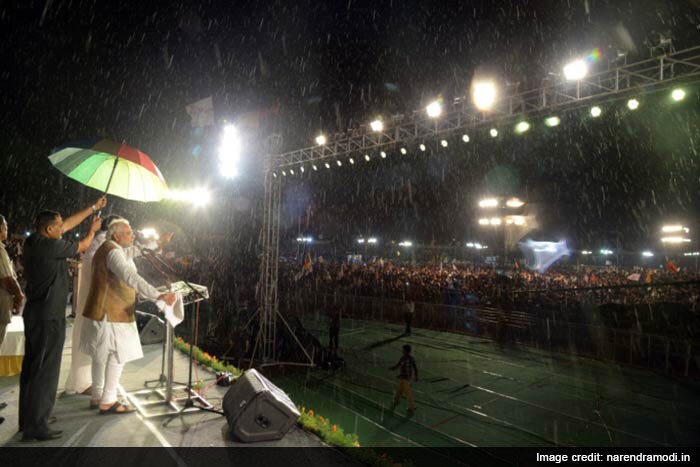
[126,70]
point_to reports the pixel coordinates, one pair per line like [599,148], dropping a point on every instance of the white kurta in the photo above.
[99,338]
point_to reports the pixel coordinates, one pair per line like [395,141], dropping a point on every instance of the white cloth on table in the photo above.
[99,338]
[13,345]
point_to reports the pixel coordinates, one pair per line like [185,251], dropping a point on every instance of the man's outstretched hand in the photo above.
[169,298]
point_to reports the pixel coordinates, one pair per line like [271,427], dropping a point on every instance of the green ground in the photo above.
[474,392]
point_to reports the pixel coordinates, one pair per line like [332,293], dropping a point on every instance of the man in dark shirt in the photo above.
[407,368]
[46,271]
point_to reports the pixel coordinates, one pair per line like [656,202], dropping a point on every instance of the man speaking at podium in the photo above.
[109,334]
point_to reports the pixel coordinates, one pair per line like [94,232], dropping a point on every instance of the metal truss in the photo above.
[553,95]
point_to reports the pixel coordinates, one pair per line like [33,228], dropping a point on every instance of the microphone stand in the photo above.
[189,402]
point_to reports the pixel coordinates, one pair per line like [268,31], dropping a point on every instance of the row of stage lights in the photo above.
[434,110]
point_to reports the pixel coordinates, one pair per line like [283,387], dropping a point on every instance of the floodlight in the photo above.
[422,147]
[493,132]
[229,152]
[678,94]
[484,94]
[596,111]
[552,121]
[514,203]
[488,203]
[576,70]
[443,143]
[321,139]
[465,138]
[377,126]
[633,104]
[522,127]
[434,109]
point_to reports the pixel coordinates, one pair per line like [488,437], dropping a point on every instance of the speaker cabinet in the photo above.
[151,328]
[257,410]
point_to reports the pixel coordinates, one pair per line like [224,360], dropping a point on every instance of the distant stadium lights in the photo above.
[514,203]
[351,160]
[314,166]
[476,246]
[434,109]
[522,127]
[274,174]
[675,239]
[470,245]
[328,166]
[633,104]
[377,125]
[339,163]
[406,243]
[291,171]
[443,143]
[586,252]
[372,240]
[692,253]
[606,252]
[483,221]
[674,228]
[517,220]
[305,240]
[493,132]
[576,70]
[383,154]
[360,240]
[321,139]
[284,173]
[488,203]
[367,157]
[465,138]
[422,147]
[678,94]
[403,151]
[495,221]
[484,94]
[596,111]
[229,152]
[552,121]
[647,254]
[302,169]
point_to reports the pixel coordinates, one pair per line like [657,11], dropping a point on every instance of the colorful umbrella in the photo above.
[113,168]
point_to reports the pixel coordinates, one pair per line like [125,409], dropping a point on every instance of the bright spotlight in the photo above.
[328,166]
[633,104]
[200,197]
[606,252]
[518,220]
[284,173]
[291,171]
[488,203]
[377,125]
[372,240]
[321,139]
[367,157]
[678,94]
[422,147]
[403,151]
[495,221]
[360,240]
[483,221]
[514,203]
[522,127]
[274,174]
[493,132]
[484,94]
[406,243]
[150,232]
[675,240]
[313,166]
[596,111]
[465,138]
[351,160]
[302,169]
[552,121]
[229,152]
[586,252]
[647,254]
[576,70]
[443,143]
[470,245]
[383,154]
[674,228]
[339,163]
[434,109]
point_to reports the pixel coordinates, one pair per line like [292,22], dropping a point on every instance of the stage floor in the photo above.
[475,392]
[84,427]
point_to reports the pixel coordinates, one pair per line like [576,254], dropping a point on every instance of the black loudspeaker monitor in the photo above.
[257,410]
[151,328]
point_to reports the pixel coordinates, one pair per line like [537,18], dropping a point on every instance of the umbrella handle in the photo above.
[109,182]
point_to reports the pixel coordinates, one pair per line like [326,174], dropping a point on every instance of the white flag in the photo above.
[201,112]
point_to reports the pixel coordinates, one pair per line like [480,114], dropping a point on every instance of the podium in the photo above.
[160,401]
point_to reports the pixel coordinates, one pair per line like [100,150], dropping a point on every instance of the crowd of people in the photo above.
[467,284]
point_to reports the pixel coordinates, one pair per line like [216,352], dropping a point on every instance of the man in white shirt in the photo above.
[109,333]
[11,296]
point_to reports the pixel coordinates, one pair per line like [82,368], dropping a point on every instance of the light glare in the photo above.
[576,70]
[377,125]
[321,140]
[484,94]
[596,111]
[434,109]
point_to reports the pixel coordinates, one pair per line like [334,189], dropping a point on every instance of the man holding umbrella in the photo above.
[46,269]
